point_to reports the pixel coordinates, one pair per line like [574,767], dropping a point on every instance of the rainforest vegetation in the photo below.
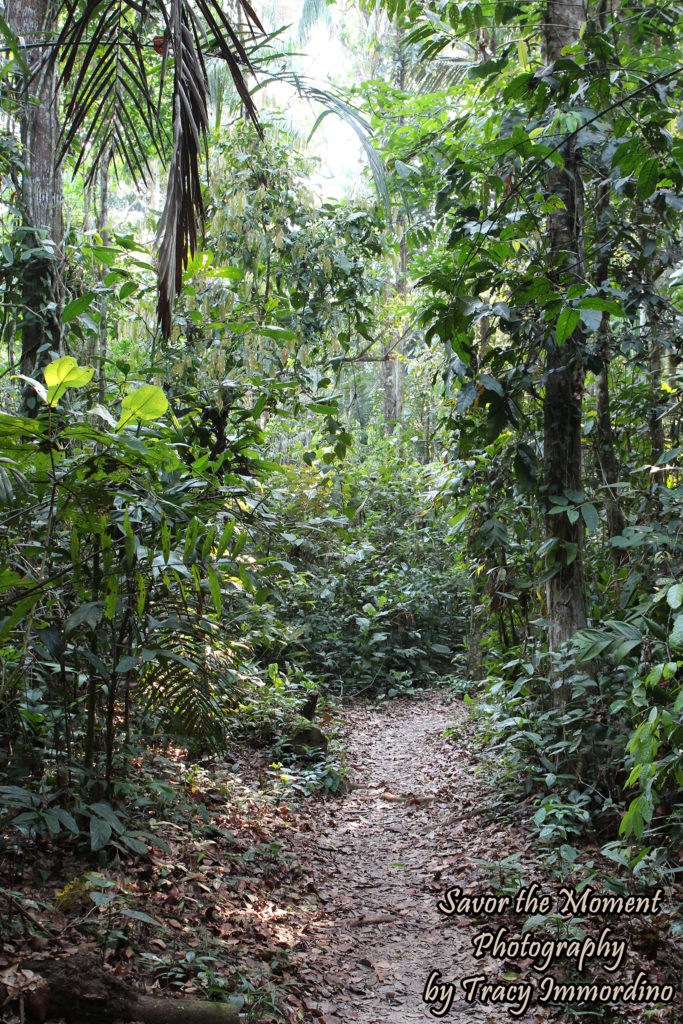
[270,431]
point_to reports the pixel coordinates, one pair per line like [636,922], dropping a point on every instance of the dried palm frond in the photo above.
[112,109]
[442,72]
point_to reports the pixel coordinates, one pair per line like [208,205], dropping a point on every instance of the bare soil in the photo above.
[408,831]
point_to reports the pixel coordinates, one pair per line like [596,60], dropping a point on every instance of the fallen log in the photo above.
[79,989]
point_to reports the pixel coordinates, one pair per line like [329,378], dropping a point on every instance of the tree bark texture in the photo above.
[607,462]
[393,368]
[32,21]
[565,374]
[605,443]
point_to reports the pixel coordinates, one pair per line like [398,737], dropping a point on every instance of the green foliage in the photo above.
[123,628]
[372,601]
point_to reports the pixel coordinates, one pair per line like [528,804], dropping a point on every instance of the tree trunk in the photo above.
[649,330]
[102,215]
[607,462]
[605,443]
[565,374]
[32,21]
[78,989]
[393,369]
[475,634]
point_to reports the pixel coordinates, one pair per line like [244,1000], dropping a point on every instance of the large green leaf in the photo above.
[100,833]
[676,635]
[590,516]
[647,178]
[65,373]
[147,403]
[76,307]
[567,321]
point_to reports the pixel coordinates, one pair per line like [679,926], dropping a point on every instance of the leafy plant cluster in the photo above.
[373,602]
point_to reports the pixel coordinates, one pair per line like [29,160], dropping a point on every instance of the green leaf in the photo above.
[107,813]
[259,407]
[127,289]
[66,819]
[89,613]
[277,333]
[225,538]
[110,596]
[343,262]
[21,609]
[100,833]
[137,846]
[567,321]
[75,308]
[590,516]
[147,403]
[523,53]
[105,254]
[602,305]
[139,915]
[676,635]
[215,587]
[526,467]
[647,179]
[65,373]
[569,853]
[102,899]
[674,596]
[52,822]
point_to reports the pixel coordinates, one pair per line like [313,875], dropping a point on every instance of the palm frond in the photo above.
[114,113]
[110,107]
[332,103]
[312,12]
[442,72]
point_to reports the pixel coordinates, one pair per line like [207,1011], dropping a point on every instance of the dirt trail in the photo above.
[386,855]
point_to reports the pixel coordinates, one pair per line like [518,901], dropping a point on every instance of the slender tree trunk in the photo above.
[649,334]
[427,420]
[475,649]
[102,214]
[654,418]
[605,443]
[32,21]
[607,462]
[393,369]
[565,374]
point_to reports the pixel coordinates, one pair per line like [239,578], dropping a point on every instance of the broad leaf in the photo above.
[567,321]
[65,373]
[590,516]
[76,307]
[147,403]
[100,833]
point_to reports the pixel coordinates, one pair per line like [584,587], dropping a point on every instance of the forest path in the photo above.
[383,859]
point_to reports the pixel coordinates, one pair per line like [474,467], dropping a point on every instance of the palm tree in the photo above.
[101,55]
